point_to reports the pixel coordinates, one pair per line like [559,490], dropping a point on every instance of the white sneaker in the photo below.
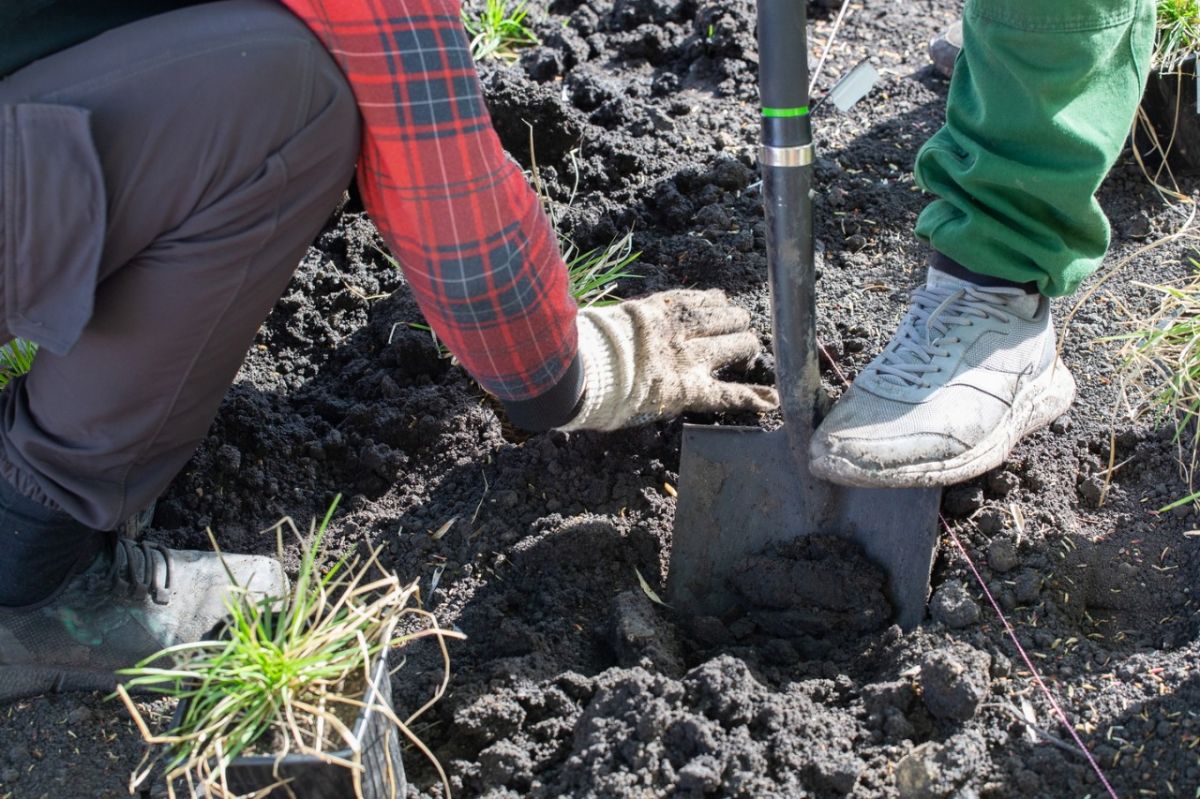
[970,371]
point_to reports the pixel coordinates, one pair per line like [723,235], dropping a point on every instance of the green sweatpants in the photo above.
[1042,98]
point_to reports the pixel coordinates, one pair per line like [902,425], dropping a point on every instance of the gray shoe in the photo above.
[135,600]
[969,372]
[944,49]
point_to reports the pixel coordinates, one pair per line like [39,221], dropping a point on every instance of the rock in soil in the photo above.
[1002,554]
[954,680]
[640,635]
[952,606]
[935,770]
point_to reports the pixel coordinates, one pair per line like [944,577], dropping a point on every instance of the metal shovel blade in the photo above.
[742,489]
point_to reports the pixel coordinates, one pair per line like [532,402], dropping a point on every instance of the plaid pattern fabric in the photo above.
[467,229]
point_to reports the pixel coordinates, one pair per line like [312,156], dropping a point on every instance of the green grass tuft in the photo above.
[16,359]
[498,30]
[592,276]
[1178,33]
[1160,369]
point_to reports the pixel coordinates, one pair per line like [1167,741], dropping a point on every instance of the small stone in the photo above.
[1137,226]
[917,773]
[661,121]
[1092,490]
[1002,483]
[897,694]
[992,521]
[952,606]
[731,174]
[1061,425]
[961,501]
[1002,554]
[1028,587]
[954,680]
[639,633]
[838,773]
[856,243]
[542,63]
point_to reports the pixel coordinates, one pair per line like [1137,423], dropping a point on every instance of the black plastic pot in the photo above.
[1172,104]
[311,778]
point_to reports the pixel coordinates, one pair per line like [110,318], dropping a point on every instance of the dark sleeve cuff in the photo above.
[552,408]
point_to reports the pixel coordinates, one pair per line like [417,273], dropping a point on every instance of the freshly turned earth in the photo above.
[572,682]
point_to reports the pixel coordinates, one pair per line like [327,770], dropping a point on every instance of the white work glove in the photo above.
[654,357]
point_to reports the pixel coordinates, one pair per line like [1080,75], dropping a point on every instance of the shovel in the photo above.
[742,489]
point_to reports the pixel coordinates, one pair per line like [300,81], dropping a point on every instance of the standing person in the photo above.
[163,167]
[1041,100]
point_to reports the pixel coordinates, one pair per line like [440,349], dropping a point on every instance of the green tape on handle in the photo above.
[785,113]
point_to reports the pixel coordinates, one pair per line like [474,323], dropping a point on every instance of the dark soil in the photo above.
[572,682]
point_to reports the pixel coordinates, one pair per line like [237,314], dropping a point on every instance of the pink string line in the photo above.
[1062,717]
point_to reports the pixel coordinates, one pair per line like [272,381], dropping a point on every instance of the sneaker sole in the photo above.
[21,682]
[1040,403]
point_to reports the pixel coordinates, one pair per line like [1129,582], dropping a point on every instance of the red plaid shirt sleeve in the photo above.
[470,234]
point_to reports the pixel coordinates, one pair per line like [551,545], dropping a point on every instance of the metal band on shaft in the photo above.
[785,156]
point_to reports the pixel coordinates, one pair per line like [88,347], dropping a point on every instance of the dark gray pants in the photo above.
[158,186]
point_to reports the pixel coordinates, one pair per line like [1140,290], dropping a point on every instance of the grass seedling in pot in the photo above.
[286,677]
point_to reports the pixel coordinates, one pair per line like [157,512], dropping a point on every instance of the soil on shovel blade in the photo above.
[572,680]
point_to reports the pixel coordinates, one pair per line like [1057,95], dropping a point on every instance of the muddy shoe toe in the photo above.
[944,49]
[135,600]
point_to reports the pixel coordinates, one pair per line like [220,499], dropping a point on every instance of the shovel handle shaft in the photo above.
[789,223]
[783,73]
[786,164]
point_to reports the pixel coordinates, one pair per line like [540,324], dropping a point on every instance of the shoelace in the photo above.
[936,311]
[141,569]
